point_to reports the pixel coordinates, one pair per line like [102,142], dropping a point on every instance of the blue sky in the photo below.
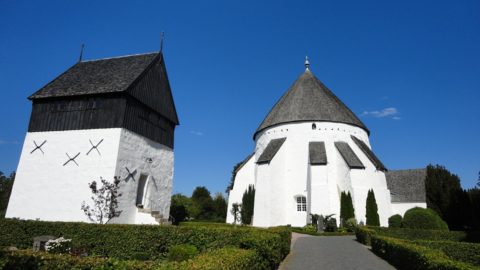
[409,69]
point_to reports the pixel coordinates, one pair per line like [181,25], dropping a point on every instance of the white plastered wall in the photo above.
[45,189]
[244,177]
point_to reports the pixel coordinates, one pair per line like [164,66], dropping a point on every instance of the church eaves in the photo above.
[308,99]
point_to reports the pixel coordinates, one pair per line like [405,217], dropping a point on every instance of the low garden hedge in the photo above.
[405,255]
[225,258]
[362,234]
[128,242]
[459,251]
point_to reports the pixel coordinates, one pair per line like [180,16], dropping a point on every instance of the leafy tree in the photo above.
[248,202]
[236,208]
[372,210]
[6,184]
[201,198]
[220,206]
[105,201]
[179,208]
[421,218]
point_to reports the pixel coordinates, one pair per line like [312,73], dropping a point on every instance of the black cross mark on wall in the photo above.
[95,147]
[71,159]
[131,174]
[39,147]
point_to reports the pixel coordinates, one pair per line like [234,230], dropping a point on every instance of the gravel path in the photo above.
[332,252]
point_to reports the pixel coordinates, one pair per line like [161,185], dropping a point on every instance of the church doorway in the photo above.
[141,190]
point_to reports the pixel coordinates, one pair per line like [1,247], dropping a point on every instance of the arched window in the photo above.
[314,126]
[301,204]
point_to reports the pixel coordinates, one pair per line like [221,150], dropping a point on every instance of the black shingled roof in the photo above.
[369,153]
[97,76]
[407,185]
[308,99]
[317,153]
[349,156]
[271,150]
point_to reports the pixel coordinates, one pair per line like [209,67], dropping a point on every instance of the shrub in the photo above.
[395,221]
[248,203]
[364,235]
[331,225]
[464,252]
[126,241]
[225,258]
[372,210]
[309,229]
[404,255]
[181,252]
[351,224]
[421,218]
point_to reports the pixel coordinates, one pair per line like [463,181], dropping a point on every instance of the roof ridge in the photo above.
[121,56]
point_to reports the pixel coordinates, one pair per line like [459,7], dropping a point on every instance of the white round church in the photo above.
[309,149]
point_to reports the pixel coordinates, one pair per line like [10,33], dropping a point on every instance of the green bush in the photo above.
[395,221]
[364,235]
[404,255]
[331,225]
[416,234]
[459,251]
[309,229]
[225,258]
[127,241]
[351,224]
[421,218]
[182,252]
[23,259]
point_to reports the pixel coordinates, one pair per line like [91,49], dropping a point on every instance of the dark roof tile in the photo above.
[407,185]
[369,153]
[349,156]
[271,150]
[317,153]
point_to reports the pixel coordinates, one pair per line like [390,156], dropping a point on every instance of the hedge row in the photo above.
[460,251]
[417,234]
[226,258]
[404,255]
[146,241]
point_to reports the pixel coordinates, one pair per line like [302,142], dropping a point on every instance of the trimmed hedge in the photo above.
[395,221]
[127,241]
[225,258]
[460,251]
[27,259]
[404,255]
[416,234]
[364,235]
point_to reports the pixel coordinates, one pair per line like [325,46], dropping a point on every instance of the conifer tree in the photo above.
[343,206]
[248,201]
[372,210]
[351,210]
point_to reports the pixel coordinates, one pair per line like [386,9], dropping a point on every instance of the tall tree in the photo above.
[201,198]
[372,210]
[248,202]
[346,207]
[351,209]
[220,206]
[236,208]
[444,195]
[6,184]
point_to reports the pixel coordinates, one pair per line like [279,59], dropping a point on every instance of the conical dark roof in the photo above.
[309,100]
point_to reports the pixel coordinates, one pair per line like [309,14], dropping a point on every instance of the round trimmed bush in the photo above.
[395,221]
[421,218]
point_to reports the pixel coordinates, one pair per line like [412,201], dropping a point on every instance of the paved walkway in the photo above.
[331,252]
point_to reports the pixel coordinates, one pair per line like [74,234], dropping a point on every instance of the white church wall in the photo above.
[319,194]
[244,177]
[401,208]
[142,156]
[45,188]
